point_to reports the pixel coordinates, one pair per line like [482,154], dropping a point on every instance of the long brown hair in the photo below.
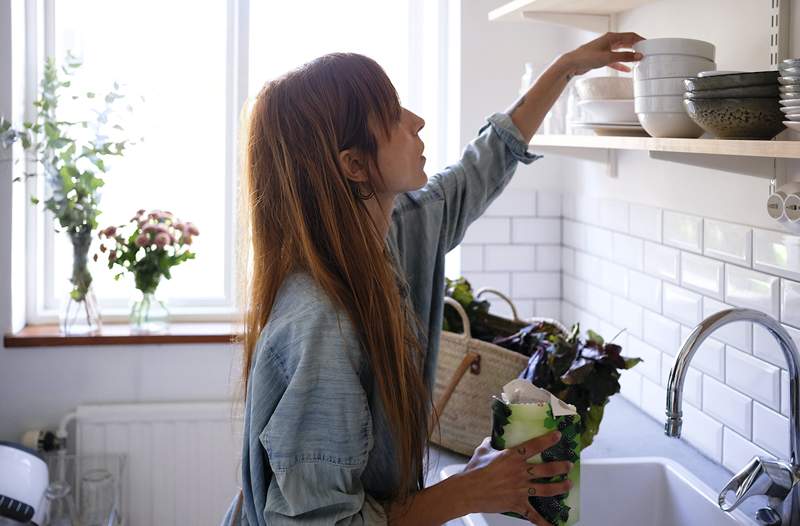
[304,214]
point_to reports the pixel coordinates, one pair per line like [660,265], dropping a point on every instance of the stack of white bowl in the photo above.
[658,83]
[790,92]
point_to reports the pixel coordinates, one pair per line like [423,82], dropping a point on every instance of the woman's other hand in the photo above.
[604,51]
[499,481]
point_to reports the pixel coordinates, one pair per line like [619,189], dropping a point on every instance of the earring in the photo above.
[361,196]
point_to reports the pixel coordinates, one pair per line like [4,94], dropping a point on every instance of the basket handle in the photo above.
[496,292]
[467,334]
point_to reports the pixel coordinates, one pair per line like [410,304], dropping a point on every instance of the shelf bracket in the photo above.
[593,23]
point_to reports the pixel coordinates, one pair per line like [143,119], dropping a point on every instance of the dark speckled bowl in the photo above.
[743,118]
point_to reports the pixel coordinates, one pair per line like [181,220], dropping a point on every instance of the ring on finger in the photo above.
[531,492]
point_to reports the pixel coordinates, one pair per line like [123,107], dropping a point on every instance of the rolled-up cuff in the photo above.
[505,128]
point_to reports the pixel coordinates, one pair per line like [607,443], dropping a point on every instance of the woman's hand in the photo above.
[499,481]
[603,51]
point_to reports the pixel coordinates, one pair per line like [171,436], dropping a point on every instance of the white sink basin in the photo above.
[646,491]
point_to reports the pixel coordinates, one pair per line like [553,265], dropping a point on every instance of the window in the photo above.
[195,64]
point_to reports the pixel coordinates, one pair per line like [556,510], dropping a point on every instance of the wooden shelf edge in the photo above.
[743,148]
[518,10]
[121,334]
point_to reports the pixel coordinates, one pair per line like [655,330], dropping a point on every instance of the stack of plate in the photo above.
[790,92]
[658,83]
[606,104]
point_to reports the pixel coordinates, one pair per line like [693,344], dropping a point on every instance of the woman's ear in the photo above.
[354,165]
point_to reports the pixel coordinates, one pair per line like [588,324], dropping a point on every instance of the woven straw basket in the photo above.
[463,399]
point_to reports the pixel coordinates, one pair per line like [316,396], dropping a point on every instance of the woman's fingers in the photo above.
[548,469]
[547,489]
[623,40]
[535,445]
[533,516]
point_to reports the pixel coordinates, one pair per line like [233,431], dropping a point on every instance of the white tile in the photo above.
[614,215]
[536,285]
[703,432]
[568,205]
[496,280]
[587,209]
[767,348]
[682,305]
[703,275]
[547,309]
[754,290]
[548,257]
[776,253]
[710,357]
[628,315]
[574,235]
[519,202]
[786,404]
[739,451]
[683,231]
[501,308]
[548,203]
[645,221]
[728,406]
[628,251]
[727,241]
[771,431]
[738,334]
[662,333]
[614,278]
[510,257]
[662,262]
[598,301]
[574,290]
[488,230]
[525,308]
[599,242]
[568,316]
[568,260]
[654,399]
[536,231]
[471,258]
[753,377]
[587,267]
[644,290]
[790,302]
[631,386]
[651,358]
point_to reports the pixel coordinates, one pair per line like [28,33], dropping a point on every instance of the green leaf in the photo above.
[632,362]
[34,200]
[594,337]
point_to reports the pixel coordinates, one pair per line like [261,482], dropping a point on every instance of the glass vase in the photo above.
[149,314]
[80,313]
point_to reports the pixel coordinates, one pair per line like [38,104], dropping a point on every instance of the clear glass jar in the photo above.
[149,314]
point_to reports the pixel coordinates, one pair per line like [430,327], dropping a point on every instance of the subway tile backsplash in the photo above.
[612,265]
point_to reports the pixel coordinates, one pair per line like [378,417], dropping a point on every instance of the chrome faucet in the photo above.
[777,480]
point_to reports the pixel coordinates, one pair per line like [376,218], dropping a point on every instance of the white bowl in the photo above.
[675,46]
[791,110]
[703,74]
[659,104]
[790,102]
[658,87]
[604,88]
[608,110]
[670,125]
[670,66]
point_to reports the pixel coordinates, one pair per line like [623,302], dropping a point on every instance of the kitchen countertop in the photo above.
[615,439]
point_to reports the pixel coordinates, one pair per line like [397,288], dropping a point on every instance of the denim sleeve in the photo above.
[320,435]
[485,168]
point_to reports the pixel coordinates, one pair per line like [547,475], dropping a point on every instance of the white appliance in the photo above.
[23,482]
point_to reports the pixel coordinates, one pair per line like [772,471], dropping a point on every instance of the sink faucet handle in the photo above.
[761,476]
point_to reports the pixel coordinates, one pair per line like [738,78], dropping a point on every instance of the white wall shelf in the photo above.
[590,15]
[780,149]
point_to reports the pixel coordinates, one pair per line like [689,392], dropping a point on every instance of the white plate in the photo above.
[629,129]
[795,126]
[791,110]
[793,117]
[675,46]
[704,74]
[790,102]
[620,110]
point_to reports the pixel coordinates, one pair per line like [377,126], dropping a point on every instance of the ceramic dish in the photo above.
[789,81]
[670,66]
[610,128]
[675,46]
[658,87]
[794,118]
[604,88]
[788,90]
[767,90]
[737,118]
[794,126]
[788,72]
[791,110]
[659,104]
[789,102]
[676,124]
[609,110]
[789,63]
[715,73]
[736,80]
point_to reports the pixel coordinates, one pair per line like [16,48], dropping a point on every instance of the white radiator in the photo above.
[183,458]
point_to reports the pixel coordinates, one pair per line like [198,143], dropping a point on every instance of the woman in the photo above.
[348,239]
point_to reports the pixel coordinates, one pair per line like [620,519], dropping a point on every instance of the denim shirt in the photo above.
[317,447]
